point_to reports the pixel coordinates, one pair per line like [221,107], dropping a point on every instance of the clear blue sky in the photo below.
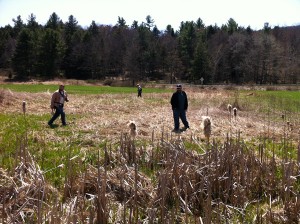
[245,12]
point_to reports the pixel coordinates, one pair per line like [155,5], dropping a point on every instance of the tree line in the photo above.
[226,54]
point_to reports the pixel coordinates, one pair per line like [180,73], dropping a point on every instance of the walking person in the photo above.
[179,102]
[59,97]
[139,90]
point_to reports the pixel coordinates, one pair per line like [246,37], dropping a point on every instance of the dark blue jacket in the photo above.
[175,100]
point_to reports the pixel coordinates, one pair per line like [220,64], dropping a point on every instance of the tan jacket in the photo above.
[58,99]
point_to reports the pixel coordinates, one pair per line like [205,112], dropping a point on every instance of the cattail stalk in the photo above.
[24,107]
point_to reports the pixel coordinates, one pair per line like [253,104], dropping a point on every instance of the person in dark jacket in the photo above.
[139,90]
[179,104]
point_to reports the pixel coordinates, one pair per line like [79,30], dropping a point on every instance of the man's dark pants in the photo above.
[59,111]
[182,115]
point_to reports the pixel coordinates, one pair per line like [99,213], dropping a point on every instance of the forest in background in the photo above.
[228,54]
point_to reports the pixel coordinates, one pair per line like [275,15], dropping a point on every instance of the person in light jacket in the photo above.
[59,97]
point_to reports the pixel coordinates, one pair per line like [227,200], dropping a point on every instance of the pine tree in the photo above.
[22,60]
[51,52]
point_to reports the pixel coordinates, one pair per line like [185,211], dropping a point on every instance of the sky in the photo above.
[253,13]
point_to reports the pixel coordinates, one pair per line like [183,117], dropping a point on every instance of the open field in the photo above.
[142,175]
[103,113]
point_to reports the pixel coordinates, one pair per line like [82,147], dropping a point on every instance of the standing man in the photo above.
[139,90]
[179,104]
[58,99]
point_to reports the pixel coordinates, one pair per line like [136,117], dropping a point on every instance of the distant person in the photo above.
[59,97]
[201,80]
[179,104]
[139,90]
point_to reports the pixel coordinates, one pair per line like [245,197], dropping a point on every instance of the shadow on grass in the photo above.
[53,126]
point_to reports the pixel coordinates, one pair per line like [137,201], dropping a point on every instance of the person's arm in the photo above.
[52,101]
[173,100]
[66,97]
[186,101]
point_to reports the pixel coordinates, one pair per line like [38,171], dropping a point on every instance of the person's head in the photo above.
[179,87]
[61,87]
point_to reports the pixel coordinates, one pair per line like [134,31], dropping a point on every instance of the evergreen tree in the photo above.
[135,25]
[93,29]
[32,23]
[18,26]
[121,22]
[232,26]
[200,24]
[7,46]
[54,22]
[170,31]
[35,32]
[51,52]
[211,30]
[22,60]
[70,29]
[155,32]
[186,41]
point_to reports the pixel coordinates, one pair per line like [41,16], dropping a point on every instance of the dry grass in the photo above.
[106,116]
[215,186]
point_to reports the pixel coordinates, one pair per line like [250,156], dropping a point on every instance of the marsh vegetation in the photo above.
[92,171]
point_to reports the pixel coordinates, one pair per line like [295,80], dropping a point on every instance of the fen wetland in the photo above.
[93,171]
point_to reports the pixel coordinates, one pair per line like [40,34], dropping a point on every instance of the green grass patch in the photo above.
[266,101]
[194,147]
[20,133]
[78,89]
[292,95]
[281,100]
